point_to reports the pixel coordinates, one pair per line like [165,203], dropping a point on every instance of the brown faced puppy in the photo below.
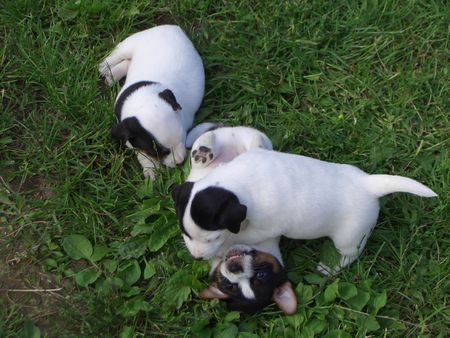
[249,279]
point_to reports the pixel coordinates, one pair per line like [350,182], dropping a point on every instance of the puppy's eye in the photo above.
[261,275]
[213,239]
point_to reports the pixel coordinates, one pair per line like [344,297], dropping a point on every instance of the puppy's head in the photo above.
[207,218]
[249,280]
[156,129]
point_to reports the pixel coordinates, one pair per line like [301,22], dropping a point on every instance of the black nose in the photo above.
[198,258]
[234,268]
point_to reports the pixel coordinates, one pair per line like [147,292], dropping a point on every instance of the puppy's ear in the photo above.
[285,298]
[213,292]
[127,128]
[120,131]
[180,195]
[167,95]
[232,216]
[216,208]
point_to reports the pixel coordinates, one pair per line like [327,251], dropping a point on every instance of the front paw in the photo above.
[325,270]
[149,173]
[106,73]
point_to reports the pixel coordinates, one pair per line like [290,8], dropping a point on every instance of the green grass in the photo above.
[365,83]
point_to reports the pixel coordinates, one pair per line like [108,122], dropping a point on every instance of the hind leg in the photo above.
[349,248]
[258,141]
[204,150]
[115,65]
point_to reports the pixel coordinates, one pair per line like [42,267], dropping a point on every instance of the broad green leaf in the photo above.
[248,326]
[86,277]
[347,290]
[149,207]
[329,255]
[129,272]
[163,232]
[377,302]
[295,320]
[134,247]
[77,246]
[314,278]
[331,292]
[149,270]
[306,333]
[132,306]
[146,189]
[337,334]
[304,293]
[109,284]
[100,251]
[127,332]
[226,330]
[248,335]
[142,228]
[181,296]
[30,330]
[359,301]
[368,323]
[133,291]
[231,316]
[317,325]
[110,265]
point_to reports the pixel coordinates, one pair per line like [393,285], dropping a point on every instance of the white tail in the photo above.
[381,185]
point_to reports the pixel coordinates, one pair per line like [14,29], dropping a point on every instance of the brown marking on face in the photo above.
[263,257]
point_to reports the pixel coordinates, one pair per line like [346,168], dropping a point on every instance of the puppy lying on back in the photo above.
[249,278]
[163,89]
[264,194]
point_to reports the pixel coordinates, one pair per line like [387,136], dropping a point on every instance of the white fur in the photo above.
[297,197]
[162,54]
[225,144]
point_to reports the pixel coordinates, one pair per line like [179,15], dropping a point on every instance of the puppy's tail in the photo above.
[381,185]
[200,129]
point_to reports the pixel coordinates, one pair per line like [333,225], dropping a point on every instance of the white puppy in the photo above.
[221,145]
[163,89]
[263,194]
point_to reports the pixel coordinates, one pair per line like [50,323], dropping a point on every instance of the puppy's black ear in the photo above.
[232,216]
[217,209]
[125,129]
[167,95]
[180,195]
[120,131]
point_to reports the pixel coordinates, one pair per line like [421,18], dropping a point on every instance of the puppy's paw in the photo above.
[106,73]
[202,155]
[325,270]
[149,172]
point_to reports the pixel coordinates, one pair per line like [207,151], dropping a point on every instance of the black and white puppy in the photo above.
[163,89]
[220,145]
[249,278]
[264,194]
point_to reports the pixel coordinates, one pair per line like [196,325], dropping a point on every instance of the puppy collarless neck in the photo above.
[127,93]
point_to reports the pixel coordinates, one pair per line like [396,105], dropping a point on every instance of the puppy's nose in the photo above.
[198,258]
[235,268]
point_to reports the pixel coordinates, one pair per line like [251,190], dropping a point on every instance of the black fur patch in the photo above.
[180,195]
[126,93]
[216,208]
[131,130]
[167,95]
[263,288]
